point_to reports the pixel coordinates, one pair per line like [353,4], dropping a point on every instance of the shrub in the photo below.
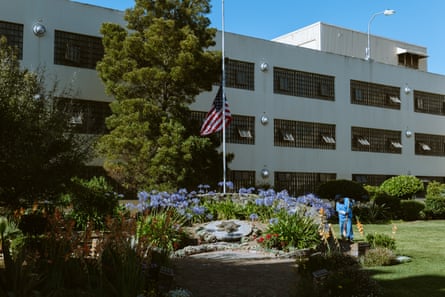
[344,277]
[435,207]
[402,186]
[378,256]
[294,230]
[348,188]
[92,201]
[410,209]
[224,210]
[371,212]
[381,240]
[390,203]
[162,229]
[435,190]
[435,200]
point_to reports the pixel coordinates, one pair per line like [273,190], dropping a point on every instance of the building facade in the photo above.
[301,115]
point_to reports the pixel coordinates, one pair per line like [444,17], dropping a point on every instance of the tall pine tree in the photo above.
[154,69]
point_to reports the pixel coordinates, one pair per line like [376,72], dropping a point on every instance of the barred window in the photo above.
[240,130]
[366,93]
[290,133]
[429,144]
[77,50]
[370,179]
[14,35]
[303,84]
[85,116]
[429,103]
[242,178]
[240,74]
[300,183]
[376,140]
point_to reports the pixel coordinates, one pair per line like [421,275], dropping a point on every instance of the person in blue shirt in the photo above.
[344,210]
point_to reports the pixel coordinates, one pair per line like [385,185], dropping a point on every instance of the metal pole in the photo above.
[223,85]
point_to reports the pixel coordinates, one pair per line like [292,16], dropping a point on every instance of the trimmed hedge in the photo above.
[410,209]
[349,188]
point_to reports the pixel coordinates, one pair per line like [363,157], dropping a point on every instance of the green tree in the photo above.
[154,69]
[37,155]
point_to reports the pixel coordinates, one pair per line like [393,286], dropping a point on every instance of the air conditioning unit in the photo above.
[76,119]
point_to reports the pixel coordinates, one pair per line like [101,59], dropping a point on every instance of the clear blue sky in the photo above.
[418,22]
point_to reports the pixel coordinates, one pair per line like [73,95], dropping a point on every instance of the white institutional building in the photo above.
[307,106]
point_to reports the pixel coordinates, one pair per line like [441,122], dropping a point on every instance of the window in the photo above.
[241,129]
[370,179]
[429,144]
[240,74]
[244,133]
[395,144]
[14,35]
[300,183]
[366,93]
[328,139]
[376,140]
[394,100]
[242,178]
[429,103]
[363,141]
[85,116]
[303,84]
[289,133]
[77,50]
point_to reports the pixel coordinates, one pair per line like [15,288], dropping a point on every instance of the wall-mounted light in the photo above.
[265,173]
[407,90]
[408,133]
[264,119]
[264,66]
[38,29]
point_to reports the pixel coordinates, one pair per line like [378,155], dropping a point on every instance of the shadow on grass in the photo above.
[422,285]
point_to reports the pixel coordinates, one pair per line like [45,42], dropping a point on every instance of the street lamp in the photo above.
[385,12]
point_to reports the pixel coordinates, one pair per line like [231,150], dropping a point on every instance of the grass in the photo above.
[423,242]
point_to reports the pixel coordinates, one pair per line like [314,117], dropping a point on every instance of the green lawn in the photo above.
[424,242]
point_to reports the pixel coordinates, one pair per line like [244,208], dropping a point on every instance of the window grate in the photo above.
[304,84]
[366,93]
[14,36]
[290,133]
[72,49]
[376,140]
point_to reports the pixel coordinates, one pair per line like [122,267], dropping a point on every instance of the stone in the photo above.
[229,230]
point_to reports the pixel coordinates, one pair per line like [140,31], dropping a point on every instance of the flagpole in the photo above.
[223,84]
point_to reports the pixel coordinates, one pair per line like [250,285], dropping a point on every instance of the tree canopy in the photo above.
[38,155]
[154,69]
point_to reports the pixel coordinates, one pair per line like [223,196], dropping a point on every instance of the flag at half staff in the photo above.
[214,121]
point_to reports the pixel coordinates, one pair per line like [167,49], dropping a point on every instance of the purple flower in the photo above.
[253,216]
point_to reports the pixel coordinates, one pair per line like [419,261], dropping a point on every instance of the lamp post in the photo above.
[385,12]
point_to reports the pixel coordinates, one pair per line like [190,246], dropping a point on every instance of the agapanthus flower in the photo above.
[142,196]
[273,221]
[253,216]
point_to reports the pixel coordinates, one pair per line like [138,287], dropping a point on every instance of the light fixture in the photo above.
[408,133]
[264,119]
[38,29]
[264,66]
[385,12]
[407,90]
[265,173]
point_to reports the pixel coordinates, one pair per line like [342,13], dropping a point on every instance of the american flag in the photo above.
[213,121]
